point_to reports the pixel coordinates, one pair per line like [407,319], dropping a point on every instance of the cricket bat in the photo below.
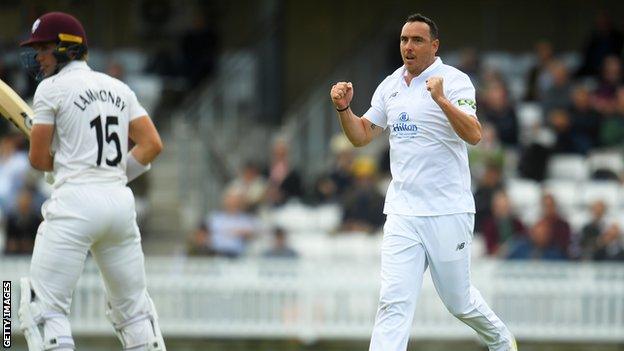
[16,110]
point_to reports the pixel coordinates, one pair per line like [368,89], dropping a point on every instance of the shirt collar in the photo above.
[436,63]
[75,65]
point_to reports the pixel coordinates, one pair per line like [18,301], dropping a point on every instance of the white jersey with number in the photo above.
[91,112]
[428,160]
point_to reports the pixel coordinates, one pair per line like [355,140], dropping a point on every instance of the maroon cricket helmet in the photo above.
[56,27]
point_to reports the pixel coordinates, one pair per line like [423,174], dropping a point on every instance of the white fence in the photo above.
[315,299]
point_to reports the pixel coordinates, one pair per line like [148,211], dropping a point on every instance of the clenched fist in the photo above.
[435,87]
[341,94]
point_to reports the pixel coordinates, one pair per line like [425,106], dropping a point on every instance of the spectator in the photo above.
[280,248]
[501,228]
[557,96]
[592,230]
[604,40]
[226,232]
[251,184]
[538,245]
[561,125]
[284,182]
[330,188]
[534,157]
[21,225]
[363,204]
[499,111]
[469,63]
[539,78]
[13,167]
[612,127]
[341,172]
[610,79]
[609,245]
[488,152]
[489,184]
[559,227]
[585,119]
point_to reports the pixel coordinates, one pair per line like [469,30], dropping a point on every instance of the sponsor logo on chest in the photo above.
[404,128]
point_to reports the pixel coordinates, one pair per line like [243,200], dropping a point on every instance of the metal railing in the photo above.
[216,131]
[312,121]
[337,299]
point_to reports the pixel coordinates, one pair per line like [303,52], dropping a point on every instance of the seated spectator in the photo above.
[14,165]
[534,160]
[558,226]
[331,187]
[488,152]
[538,245]
[363,204]
[585,119]
[501,228]
[566,141]
[279,247]
[284,182]
[612,128]
[489,184]
[340,173]
[557,96]
[199,242]
[469,63]
[539,78]
[498,110]
[226,232]
[22,223]
[609,245]
[251,184]
[610,78]
[592,230]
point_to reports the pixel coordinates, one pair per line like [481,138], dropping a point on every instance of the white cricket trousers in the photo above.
[79,218]
[411,244]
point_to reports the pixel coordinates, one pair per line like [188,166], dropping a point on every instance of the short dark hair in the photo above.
[433,28]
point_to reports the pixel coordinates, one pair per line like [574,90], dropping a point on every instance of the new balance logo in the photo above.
[460,246]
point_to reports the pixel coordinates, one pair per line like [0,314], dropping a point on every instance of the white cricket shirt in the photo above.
[91,112]
[428,160]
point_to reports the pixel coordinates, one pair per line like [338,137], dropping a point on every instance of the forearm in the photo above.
[354,128]
[466,126]
[145,153]
[42,162]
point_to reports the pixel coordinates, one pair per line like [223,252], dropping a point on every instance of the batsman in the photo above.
[81,126]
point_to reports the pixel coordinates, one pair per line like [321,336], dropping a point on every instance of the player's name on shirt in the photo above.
[88,96]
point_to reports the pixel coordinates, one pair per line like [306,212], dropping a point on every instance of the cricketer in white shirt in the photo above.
[428,160]
[87,152]
[430,110]
[91,209]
